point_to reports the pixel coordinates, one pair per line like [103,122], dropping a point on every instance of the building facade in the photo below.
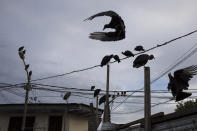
[47,117]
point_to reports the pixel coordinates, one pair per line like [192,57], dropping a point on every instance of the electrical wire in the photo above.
[179,60]
[92,67]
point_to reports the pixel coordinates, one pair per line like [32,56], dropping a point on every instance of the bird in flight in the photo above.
[116,23]
[180,82]
[139,48]
[141,60]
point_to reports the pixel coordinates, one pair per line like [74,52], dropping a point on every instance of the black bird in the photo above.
[139,48]
[96,92]
[141,60]
[106,60]
[128,53]
[102,99]
[116,23]
[67,95]
[179,82]
[116,57]
[21,48]
[92,88]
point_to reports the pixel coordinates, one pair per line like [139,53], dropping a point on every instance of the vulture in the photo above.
[179,82]
[21,48]
[92,88]
[96,92]
[139,48]
[106,60]
[128,53]
[141,60]
[67,95]
[103,99]
[116,23]
[116,57]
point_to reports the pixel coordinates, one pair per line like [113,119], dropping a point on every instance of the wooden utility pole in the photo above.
[147,100]
[106,117]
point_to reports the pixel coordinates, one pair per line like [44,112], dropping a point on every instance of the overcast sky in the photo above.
[56,39]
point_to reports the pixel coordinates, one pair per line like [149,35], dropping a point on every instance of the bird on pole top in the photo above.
[116,23]
[106,59]
[141,60]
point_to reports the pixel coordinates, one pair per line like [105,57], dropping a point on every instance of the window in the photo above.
[55,123]
[15,124]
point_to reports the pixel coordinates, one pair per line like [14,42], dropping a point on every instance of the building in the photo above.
[48,117]
[185,120]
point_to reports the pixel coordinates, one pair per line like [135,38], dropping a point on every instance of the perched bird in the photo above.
[92,88]
[21,48]
[96,92]
[26,66]
[141,60]
[106,60]
[139,48]
[116,23]
[179,82]
[102,99]
[128,53]
[67,95]
[116,57]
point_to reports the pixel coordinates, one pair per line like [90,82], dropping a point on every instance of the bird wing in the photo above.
[106,36]
[185,74]
[106,13]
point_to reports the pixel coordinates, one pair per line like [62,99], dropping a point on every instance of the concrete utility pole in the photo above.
[21,53]
[97,121]
[106,117]
[147,100]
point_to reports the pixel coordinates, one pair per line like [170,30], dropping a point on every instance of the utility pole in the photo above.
[97,121]
[147,100]
[21,53]
[106,117]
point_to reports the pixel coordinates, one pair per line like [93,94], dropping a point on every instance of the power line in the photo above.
[92,67]
[179,60]
[142,108]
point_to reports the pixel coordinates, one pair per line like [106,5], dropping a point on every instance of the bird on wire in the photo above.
[116,23]
[96,92]
[128,53]
[102,99]
[180,82]
[106,59]
[139,48]
[116,57]
[66,96]
[92,88]
[141,60]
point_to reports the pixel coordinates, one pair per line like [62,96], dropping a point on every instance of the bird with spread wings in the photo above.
[180,82]
[116,23]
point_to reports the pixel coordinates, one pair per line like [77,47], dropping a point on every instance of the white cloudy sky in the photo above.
[56,39]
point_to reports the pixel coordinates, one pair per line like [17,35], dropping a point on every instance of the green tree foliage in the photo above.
[186,105]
